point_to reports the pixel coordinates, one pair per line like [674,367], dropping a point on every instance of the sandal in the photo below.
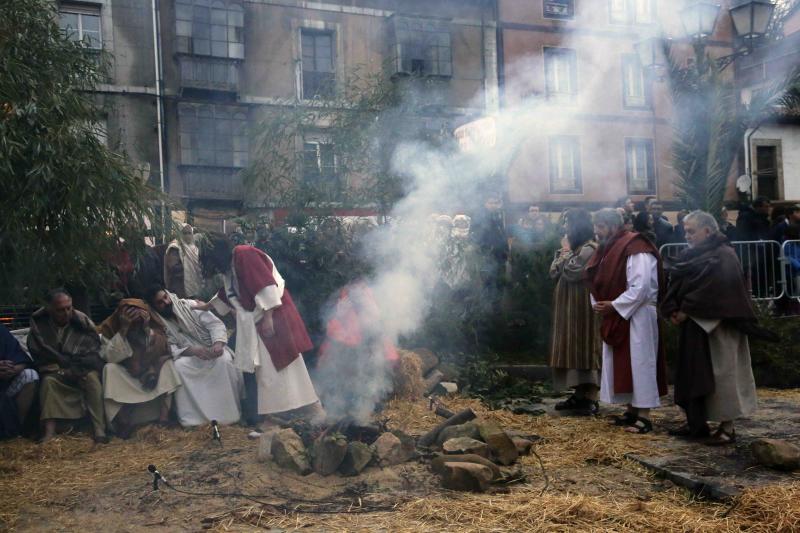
[687,432]
[570,403]
[721,438]
[626,419]
[640,426]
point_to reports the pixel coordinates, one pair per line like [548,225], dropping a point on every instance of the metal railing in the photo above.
[768,266]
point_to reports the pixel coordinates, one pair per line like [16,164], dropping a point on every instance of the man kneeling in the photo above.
[139,377]
[211,385]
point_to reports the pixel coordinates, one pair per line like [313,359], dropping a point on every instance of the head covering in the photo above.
[111,325]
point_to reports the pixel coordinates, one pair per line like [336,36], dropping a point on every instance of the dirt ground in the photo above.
[583,483]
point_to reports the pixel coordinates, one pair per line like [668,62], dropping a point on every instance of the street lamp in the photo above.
[651,53]
[751,19]
[699,19]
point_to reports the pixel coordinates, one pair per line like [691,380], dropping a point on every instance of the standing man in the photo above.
[66,349]
[624,281]
[211,385]
[270,335]
[708,298]
[182,274]
[661,226]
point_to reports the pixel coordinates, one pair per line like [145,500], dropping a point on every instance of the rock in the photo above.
[329,452]
[356,459]
[444,388]
[466,445]
[523,435]
[523,445]
[432,381]
[468,429]
[437,464]
[428,358]
[389,450]
[264,452]
[777,454]
[288,451]
[500,444]
[451,372]
[409,444]
[466,477]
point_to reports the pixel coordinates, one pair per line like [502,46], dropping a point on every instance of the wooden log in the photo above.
[430,437]
[432,380]
[443,411]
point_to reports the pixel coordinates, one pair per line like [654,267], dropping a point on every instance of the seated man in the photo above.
[212,386]
[17,385]
[139,377]
[66,349]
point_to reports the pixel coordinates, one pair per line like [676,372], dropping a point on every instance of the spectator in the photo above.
[661,226]
[753,222]
[643,224]
[790,217]
[725,226]
[678,235]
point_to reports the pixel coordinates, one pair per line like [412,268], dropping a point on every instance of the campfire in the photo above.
[468,453]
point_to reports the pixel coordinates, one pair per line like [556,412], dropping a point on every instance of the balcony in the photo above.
[212,183]
[209,73]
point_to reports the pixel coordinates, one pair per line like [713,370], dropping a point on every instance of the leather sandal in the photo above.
[721,438]
[640,426]
[626,419]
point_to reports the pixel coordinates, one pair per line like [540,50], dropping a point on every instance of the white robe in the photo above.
[637,304]
[211,389]
[289,389]
[120,388]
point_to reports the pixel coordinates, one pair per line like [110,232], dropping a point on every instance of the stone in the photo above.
[264,452]
[500,444]
[409,443]
[356,459]
[468,429]
[445,387]
[432,380]
[437,464]
[288,452]
[462,445]
[523,445]
[329,452]
[469,477]
[523,435]
[777,454]
[389,450]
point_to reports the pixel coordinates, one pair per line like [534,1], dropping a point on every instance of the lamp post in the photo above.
[699,18]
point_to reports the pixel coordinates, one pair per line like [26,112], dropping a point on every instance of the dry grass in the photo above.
[63,470]
[60,471]
[408,382]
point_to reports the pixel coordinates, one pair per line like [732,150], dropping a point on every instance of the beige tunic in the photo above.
[734,393]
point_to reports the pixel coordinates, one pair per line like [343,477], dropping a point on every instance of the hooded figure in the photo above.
[182,272]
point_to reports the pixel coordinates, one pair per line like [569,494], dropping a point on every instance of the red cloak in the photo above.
[254,273]
[607,277]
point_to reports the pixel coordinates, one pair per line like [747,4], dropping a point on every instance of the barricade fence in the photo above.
[771,269]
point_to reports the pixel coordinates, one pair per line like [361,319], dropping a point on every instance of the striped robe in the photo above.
[575,345]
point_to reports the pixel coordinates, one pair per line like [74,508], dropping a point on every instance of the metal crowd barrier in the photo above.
[767,270]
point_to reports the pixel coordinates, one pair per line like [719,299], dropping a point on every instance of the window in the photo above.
[565,165]
[632,11]
[81,24]
[422,47]
[767,172]
[319,76]
[640,166]
[559,9]
[209,28]
[213,135]
[560,68]
[320,167]
[635,84]
[207,73]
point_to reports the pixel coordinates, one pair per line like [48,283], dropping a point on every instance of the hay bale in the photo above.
[408,382]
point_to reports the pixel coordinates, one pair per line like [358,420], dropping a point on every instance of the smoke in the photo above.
[353,381]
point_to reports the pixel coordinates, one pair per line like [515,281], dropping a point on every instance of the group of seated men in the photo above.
[125,372]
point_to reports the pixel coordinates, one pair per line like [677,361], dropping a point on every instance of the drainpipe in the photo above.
[159,108]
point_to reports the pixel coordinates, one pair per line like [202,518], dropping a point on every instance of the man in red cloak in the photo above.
[623,277]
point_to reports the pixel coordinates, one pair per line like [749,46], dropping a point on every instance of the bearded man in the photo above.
[139,376]
[66,349]
[623,277]
[211,385]
[708,299]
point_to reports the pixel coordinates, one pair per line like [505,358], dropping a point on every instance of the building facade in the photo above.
[191,79]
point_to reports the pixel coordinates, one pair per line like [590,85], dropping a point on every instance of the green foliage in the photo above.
[777,364]
[66,198]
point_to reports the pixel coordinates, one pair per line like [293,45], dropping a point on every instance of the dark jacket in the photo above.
[752,226]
